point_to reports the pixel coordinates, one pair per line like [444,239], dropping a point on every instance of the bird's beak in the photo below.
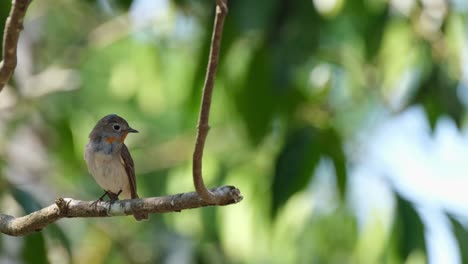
[131,130]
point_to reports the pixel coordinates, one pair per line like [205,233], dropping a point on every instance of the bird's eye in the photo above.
[116,127]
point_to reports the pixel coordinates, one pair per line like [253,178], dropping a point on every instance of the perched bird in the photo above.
[109,160]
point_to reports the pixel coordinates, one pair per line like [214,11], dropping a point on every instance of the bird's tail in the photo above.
[139,216]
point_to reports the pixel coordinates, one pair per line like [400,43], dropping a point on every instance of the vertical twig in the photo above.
[13,27]
[203,126]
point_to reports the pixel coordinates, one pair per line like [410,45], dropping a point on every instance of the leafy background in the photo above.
[303,89]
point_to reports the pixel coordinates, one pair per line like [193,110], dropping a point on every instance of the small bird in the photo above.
[109,160]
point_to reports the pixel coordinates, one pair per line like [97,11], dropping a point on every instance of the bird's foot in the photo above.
[99,199]
[113,197]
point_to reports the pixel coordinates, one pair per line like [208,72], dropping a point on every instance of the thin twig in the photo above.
[13,27]
[203,126]
[67,207]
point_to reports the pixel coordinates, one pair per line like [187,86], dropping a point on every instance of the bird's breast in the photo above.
[107,170]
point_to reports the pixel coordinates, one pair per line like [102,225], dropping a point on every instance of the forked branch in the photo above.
[203,126]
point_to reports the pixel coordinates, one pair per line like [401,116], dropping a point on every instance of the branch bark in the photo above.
[203,126]
[67,207]
[13,27]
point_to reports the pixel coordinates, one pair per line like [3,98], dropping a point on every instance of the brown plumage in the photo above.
[130,169]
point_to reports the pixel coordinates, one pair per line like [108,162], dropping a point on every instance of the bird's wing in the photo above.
[130,169]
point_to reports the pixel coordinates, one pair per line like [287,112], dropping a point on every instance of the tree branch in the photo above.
[203,126]
[67,207]
[13,27]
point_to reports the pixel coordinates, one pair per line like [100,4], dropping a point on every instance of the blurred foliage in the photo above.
[461,234]
[297,82]
[408,222]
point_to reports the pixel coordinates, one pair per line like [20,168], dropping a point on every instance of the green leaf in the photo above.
[34,250]
[257,99]
[438,94]
[408,230]
[295,165]
[368,18]
[253,15]
[461,234]
[25,200]
[333,147]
